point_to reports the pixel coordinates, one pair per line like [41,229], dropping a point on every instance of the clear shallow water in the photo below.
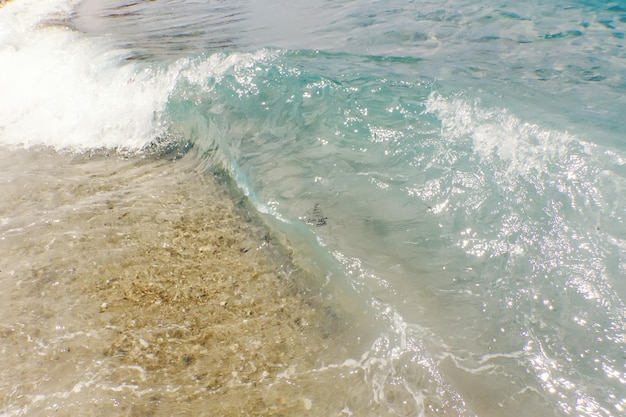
[457,166]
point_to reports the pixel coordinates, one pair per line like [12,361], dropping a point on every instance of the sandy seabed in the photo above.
[136,286]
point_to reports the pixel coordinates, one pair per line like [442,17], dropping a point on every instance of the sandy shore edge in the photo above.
[137,286]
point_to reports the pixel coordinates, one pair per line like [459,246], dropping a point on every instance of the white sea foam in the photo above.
[64,90]
[522,146]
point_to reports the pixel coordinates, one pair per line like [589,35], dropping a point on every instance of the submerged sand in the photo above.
[137,286]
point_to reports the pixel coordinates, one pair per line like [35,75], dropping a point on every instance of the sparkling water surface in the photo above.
[458,166]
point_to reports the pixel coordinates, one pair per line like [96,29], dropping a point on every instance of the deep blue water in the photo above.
[459,166]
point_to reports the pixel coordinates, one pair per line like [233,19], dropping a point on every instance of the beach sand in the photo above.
[138,286]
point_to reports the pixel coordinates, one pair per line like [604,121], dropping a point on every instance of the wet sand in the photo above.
[137,286]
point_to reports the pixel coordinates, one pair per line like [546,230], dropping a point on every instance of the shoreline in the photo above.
[136,285]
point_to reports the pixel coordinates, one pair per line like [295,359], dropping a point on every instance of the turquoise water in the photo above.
[459,166]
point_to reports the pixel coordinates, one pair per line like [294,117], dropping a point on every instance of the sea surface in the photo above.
[455,168]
